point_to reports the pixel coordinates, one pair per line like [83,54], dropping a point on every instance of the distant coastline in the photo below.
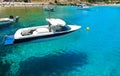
[20,4]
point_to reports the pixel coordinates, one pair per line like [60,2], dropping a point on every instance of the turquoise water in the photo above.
[83,53]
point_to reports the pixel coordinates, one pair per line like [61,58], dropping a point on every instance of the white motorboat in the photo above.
[48,9]
[11,19]
[56,27]
[83,6]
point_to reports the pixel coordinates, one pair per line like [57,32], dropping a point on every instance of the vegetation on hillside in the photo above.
[70,1]
[78,1]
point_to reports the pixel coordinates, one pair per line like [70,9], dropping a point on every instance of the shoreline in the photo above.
[21,4]
[106,4]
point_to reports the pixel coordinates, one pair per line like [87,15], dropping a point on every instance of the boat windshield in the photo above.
[62,28]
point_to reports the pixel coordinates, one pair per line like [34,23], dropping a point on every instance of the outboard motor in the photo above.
[17,18]
[11,17]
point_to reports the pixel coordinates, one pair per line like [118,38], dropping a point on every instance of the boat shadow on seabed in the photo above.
[52,65]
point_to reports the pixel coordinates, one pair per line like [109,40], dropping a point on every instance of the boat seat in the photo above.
[41,30]
[27,32]
[35,32]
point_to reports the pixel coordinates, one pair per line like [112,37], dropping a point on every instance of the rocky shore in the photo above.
[20,4]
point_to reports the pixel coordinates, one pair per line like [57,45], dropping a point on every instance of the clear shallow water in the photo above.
[82,53]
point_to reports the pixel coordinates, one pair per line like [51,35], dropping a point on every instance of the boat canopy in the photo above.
[56,22]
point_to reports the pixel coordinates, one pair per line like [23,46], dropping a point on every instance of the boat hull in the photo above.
[5,23]
[41,37]
[9,40]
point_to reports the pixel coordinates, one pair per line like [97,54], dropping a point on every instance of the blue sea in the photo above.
[94,52]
